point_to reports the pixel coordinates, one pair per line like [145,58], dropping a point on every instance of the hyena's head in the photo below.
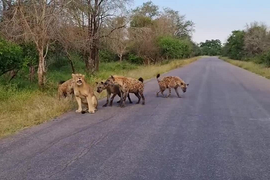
[184,86]
[110,81]
[78,79]
[101,86]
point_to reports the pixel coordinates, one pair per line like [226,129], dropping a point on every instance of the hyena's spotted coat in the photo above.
[171,82]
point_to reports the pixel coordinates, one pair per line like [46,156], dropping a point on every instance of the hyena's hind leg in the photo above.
[161,91]
[138,96]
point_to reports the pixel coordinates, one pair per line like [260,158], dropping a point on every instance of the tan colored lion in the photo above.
[84,93]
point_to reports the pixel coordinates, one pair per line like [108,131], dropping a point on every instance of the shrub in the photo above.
[265,58]
[172,48]
[134,59]
[107,56]
[10,56]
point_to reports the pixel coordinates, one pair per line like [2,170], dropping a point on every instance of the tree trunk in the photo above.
[31,73]
[13,74]
[71,62]
[96,58]
[41,69]
[120,57]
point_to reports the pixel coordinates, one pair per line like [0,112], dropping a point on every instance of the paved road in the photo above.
[220,129]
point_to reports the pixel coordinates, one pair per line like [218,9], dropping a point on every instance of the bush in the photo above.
[265,58]
[10,56]
[134,59]
[107,56]
[172,48]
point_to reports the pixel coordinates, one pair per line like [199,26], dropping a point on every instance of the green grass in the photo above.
[254,67]
[23,105]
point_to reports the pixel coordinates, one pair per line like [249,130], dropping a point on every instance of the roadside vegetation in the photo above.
[260,69]
[43,42]
[249,49]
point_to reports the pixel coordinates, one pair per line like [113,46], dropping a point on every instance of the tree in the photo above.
[36,21]
[211,47]
[148,9]
[234,46]
[181,28]
[98,12]
[10,56]
[118,41]
[257,39]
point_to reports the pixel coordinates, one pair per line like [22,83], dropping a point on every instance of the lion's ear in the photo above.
[73,75]
[96,82]
[83,76]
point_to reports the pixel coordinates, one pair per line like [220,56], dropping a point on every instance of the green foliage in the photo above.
[107,56]
[30,54]
[134,59]
[211,47]
[148,9]
[234,47]
[172,48]
[10,56]
[265,58]
[140,21]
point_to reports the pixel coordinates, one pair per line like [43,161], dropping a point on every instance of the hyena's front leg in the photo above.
[108,97]
[124,96]
[91,108]
[170,91]
[79,101]
[177,92]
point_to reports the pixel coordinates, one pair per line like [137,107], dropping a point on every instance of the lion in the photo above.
[65,88]
[84,94]
[171,82]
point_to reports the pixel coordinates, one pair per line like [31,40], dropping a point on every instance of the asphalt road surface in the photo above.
[219,129]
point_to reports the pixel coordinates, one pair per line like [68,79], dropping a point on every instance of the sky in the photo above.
[216,19]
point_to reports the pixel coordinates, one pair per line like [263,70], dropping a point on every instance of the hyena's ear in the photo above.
[112,77]
[96,83]
[187,84]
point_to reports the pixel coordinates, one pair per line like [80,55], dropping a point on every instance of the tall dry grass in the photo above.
[259,69]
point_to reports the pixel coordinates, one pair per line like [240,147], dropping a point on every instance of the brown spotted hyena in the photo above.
[111,90]
[65,88]
[171,82]
[128,85]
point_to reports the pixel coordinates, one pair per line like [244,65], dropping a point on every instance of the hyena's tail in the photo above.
[158,75]
[141,79]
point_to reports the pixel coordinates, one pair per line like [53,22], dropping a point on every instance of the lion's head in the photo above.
[78,79]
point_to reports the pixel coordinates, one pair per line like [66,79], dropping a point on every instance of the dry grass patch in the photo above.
[259,69]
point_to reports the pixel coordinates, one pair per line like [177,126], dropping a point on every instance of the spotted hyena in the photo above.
[128,85]
[171,82]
